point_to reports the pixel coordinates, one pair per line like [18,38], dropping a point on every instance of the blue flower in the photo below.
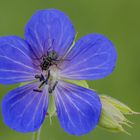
[45,59]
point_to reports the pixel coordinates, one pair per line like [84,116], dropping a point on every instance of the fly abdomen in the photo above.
[45,64]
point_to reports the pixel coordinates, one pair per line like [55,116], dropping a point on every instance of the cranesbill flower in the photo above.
[45,59]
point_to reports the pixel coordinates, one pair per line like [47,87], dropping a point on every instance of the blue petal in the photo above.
[16,64]
[78,109]
[23,109]
[92,57]
[50,29]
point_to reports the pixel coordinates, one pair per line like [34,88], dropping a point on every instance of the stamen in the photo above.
[42,80]
[40,77]
[51,89]
[37,90]
[49,79]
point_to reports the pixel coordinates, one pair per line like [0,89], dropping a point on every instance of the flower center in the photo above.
[48,77]
[50,66]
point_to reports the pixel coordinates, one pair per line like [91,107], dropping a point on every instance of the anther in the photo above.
[51,89]
[37,90]
[42,80]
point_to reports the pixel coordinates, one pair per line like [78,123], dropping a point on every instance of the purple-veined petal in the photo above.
[50,29]
[78,108]
[16,64]
[23,109]
[92,57]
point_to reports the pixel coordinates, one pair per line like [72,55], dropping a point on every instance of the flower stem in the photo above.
[36,135]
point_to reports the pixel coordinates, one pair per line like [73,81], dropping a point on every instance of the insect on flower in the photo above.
[46,60]
[49,60]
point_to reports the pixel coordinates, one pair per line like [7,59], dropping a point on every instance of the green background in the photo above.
[119,20]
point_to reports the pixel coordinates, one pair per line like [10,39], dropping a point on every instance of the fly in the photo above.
[49,60]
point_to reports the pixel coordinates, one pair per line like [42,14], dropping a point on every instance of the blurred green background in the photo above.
[119,20]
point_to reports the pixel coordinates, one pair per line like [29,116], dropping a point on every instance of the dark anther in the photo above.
[40,77]
[51,89]
[42,80]
[37,90]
